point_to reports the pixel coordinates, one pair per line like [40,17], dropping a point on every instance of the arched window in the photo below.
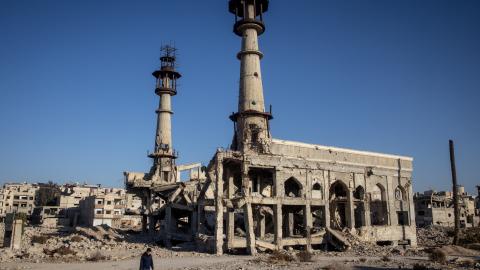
[317,191]
[338,190]
[378,193]
[400,194]
[359,193]
[378,206]
[293,188]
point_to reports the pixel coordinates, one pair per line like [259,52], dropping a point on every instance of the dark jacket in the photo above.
[146,262]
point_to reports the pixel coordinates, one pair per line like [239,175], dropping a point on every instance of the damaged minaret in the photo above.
[163,169]
[252,130]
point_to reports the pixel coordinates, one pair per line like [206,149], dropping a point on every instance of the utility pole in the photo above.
[455,193]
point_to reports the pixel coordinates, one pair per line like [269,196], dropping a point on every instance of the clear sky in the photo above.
[77,97]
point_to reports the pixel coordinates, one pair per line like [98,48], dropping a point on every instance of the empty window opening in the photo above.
[317,191]
[359,214]
[261,181]
[293,188]
[384,243]
[318,218]
[403,218]
[293,221]
[359,193]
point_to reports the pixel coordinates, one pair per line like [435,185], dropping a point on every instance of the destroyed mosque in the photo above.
[265,193]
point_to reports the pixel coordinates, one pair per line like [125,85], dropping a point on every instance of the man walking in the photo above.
[146,262]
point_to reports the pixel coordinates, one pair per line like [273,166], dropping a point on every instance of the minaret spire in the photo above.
[252,131]
[163,169]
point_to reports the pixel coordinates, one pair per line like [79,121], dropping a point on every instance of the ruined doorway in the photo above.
[338,205]
[378,206]
[359,206]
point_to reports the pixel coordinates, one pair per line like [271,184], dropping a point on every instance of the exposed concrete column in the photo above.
[350,210]
[219,208]
[390,193]
[326,190]
[366,205]
[261,226]
[248,214]
[307,220]
[411,212]
[278,224]
[278,190]
[307,216]
[230,212]
[291,223]
[411,206]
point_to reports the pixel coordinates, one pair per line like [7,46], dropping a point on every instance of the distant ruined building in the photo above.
[436,208]
[266,193]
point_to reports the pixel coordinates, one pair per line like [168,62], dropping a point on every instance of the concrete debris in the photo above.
[434,236]
[98,243]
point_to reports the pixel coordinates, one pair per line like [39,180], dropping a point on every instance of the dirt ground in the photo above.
[262,262]
[107,248]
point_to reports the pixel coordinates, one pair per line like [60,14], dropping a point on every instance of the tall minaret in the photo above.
[252,131]
[163,169]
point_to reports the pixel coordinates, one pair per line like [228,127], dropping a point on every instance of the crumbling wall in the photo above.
[2,233]
[310,189]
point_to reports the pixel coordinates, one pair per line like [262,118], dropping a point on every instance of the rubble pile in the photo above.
[469,236]
[368,249]
[85,244]
[434,236]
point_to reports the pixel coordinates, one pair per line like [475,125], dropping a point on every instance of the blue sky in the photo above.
[77,97]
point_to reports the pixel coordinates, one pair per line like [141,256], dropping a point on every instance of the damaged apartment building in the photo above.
[266,193]
[18,198]
[436,208]
[70,205]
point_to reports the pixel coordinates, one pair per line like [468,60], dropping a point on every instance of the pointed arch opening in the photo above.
[359,206]
[317,191]
[378,206]
[293,188]
[338,205]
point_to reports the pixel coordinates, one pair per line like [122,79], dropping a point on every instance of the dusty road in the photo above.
[160,263]
[220,262]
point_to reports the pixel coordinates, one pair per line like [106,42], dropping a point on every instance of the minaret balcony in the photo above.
[234,116]
[163,154]
[165,90]
[242,24]
[166,72]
